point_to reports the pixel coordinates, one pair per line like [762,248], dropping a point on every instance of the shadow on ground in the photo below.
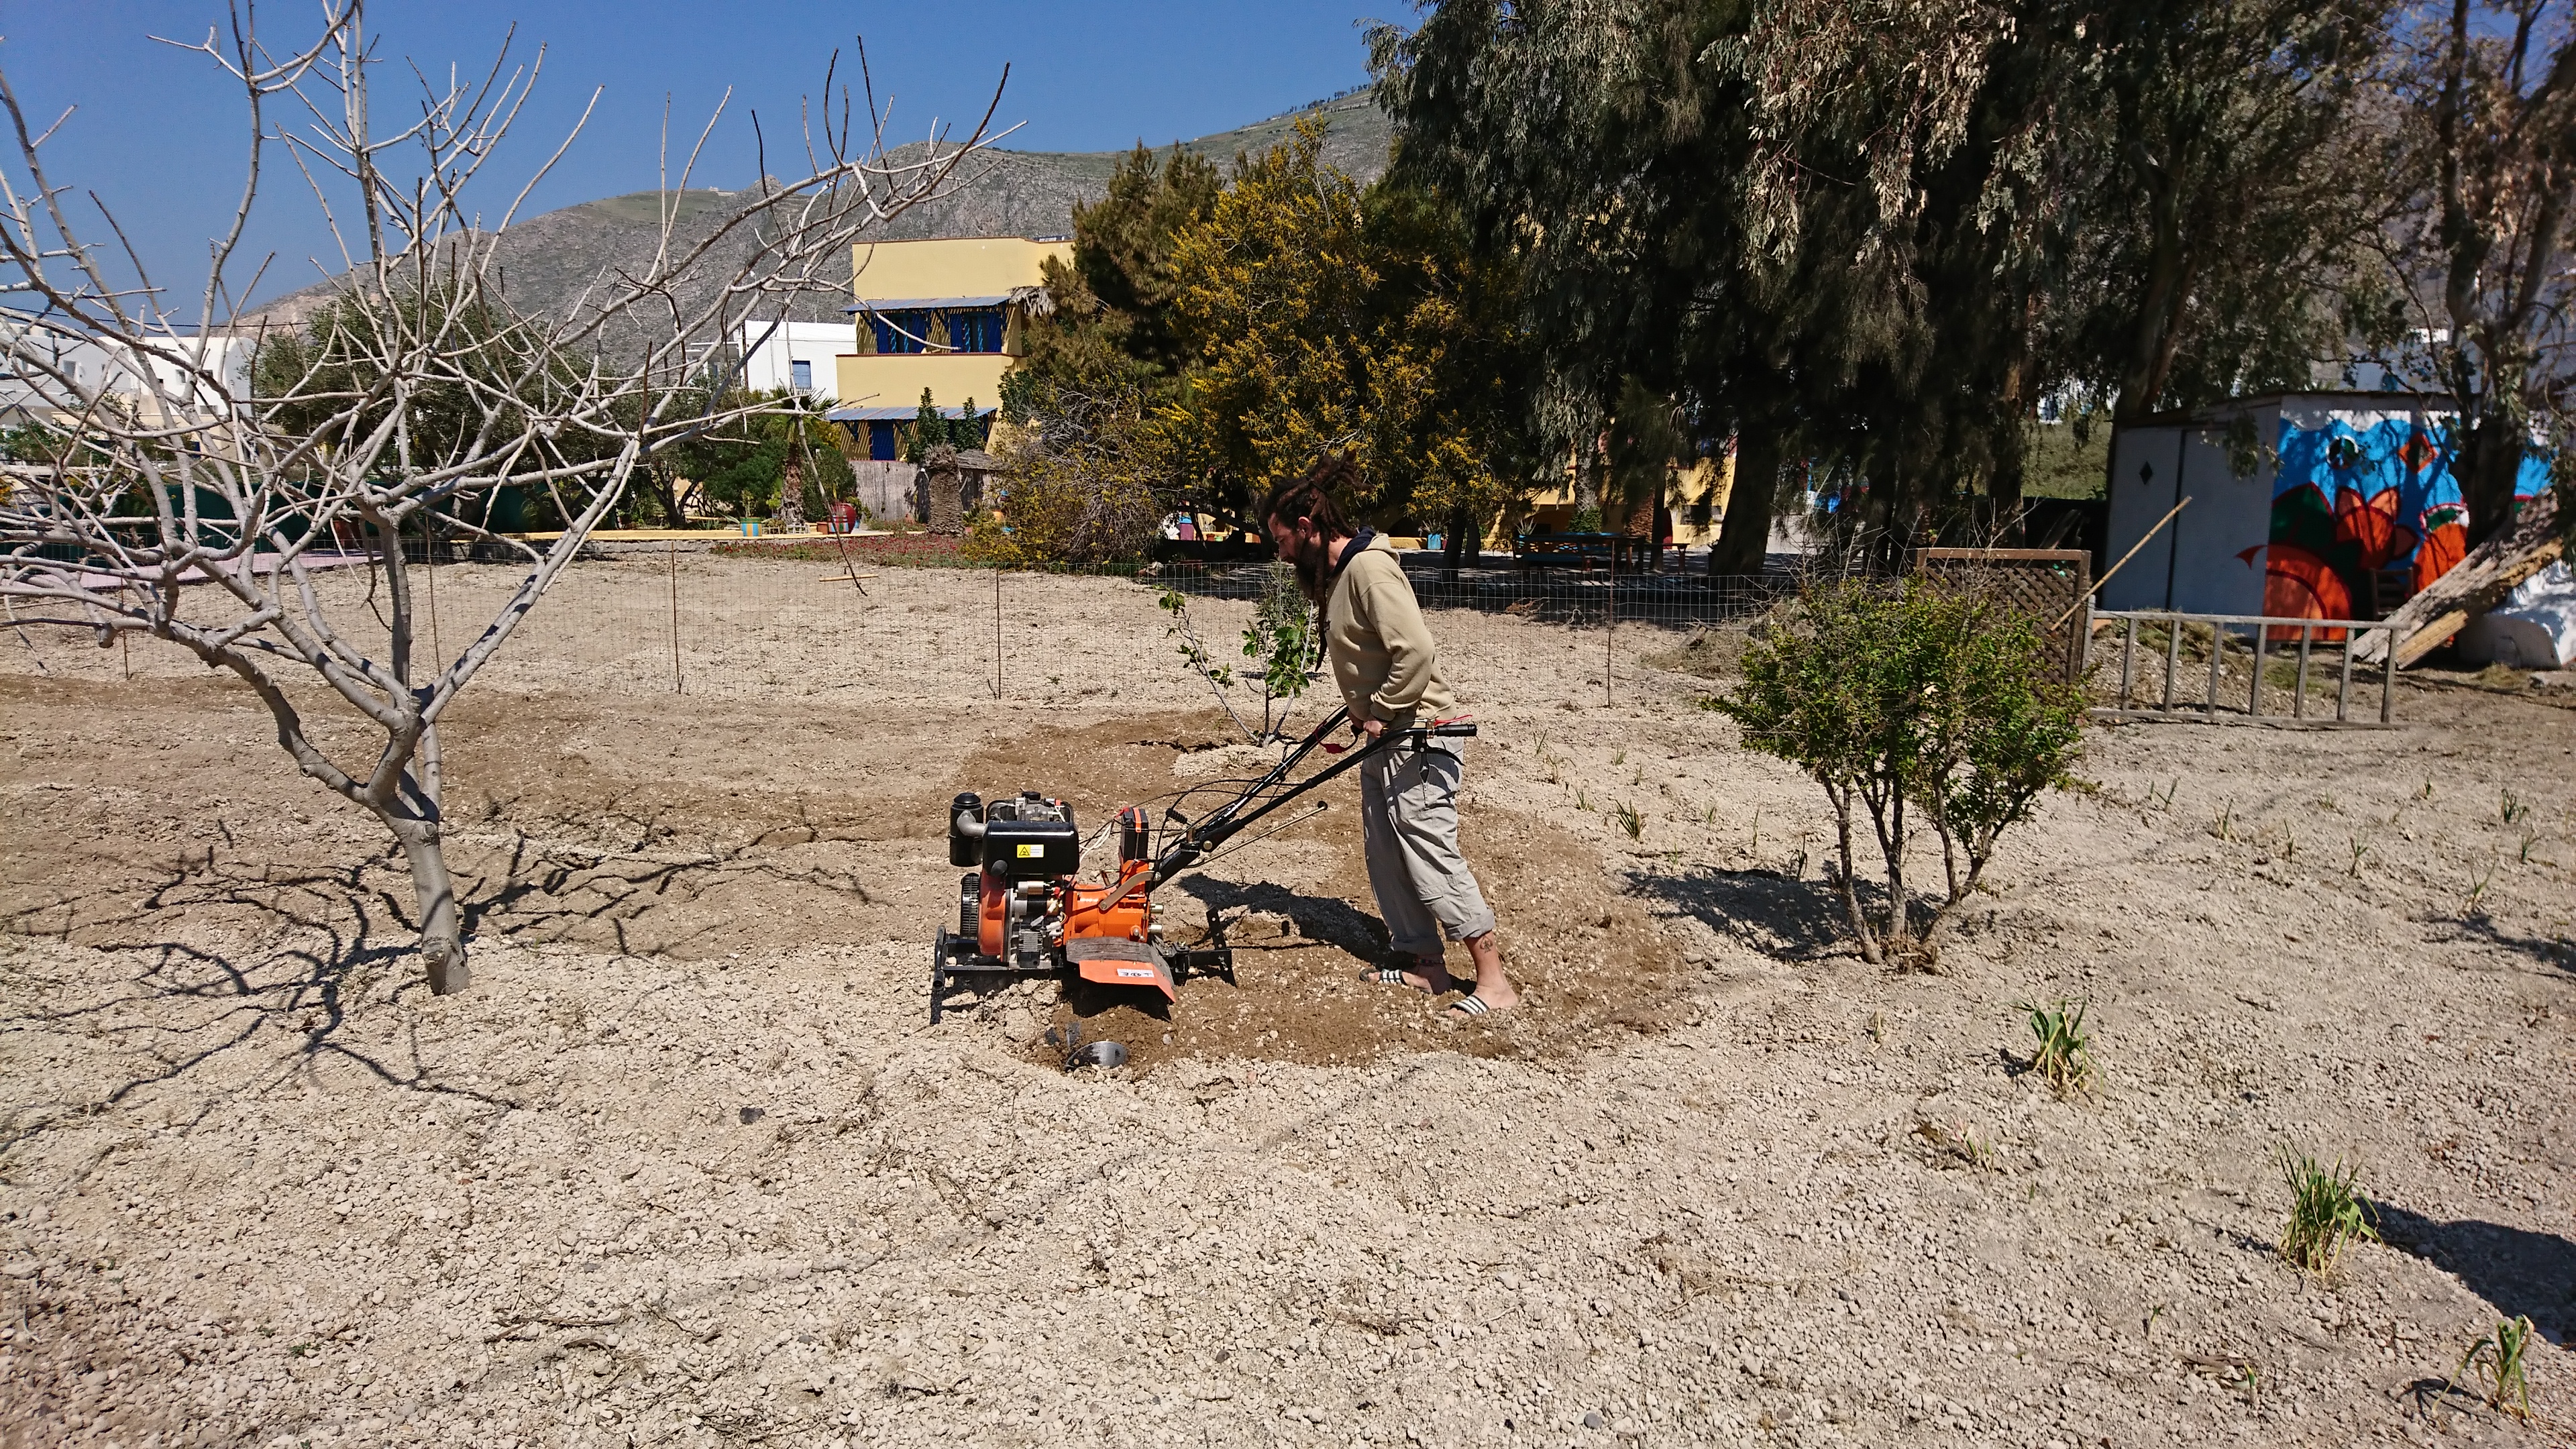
[1320,918]
[2518,1270]
[1767,911]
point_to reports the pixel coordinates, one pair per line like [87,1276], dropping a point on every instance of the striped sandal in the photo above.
[1471,1006]
[1399,976]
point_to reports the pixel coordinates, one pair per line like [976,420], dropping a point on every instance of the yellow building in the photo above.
[1695,497]
[944,315]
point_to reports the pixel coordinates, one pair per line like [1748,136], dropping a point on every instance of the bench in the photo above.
[1585,550]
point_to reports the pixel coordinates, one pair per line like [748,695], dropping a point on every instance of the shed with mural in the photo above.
[2314,505]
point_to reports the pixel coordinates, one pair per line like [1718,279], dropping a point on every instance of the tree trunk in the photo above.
[941,481]
[791,492]
[1744,530]
[1454,544]
[2489,464]
[1587,478]
[442,941]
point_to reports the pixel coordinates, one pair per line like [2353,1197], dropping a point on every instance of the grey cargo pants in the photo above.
[1409,820]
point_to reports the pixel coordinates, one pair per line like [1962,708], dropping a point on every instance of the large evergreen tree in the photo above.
[1875,235]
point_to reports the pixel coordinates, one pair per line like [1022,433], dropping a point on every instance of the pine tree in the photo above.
[929,430]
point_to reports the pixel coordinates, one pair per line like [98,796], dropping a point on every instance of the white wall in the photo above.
[45,373]
[814,343]
[2200,563]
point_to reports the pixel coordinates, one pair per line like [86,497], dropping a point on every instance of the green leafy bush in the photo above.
[1907,703]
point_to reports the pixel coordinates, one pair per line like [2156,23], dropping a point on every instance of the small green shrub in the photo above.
[1910,698]
[2065,1055]
[2497,1362]
[2327,1211]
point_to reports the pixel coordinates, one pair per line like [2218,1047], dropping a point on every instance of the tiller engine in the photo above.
[1021,910]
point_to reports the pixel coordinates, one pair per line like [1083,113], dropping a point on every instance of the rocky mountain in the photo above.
[550,261]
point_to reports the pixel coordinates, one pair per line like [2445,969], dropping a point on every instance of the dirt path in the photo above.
[689,1165]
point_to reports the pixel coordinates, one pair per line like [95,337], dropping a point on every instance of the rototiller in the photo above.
[1021,911]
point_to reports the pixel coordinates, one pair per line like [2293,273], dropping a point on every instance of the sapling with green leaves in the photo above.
[1910,702]
[1281,642]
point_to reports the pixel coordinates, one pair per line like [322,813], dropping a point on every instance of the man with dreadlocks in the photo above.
[1383,658]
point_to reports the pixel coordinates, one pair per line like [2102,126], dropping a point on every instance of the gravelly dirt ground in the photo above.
[690,1166]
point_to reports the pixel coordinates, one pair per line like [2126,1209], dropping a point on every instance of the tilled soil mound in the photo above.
[1291,898]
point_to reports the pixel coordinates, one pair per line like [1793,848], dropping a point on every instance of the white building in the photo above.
[797,356]
[49,376]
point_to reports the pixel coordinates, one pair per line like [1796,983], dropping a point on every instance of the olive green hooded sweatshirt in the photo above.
[1376,641]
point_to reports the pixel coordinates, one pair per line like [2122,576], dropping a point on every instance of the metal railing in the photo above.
[2337,635]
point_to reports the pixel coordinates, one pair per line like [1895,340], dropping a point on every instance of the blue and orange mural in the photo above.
[2360,496]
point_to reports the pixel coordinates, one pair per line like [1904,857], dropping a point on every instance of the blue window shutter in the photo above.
[800,375]
[901,332]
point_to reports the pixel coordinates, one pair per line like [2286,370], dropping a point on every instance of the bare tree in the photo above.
[184,511]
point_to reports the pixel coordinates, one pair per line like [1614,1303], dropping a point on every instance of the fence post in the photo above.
[2254,697]
[2217,655]
[674,546]
[2343,690]
[2299,695]
[2388,678]
[2128,660]
[1610,620]
[2173,655]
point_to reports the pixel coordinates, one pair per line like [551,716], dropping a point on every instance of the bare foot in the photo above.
[1493,990]
[1430,976]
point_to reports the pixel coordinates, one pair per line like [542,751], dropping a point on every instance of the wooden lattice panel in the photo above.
[2044,583]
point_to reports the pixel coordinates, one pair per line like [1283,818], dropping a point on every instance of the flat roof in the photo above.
[2355,396]
[924,304]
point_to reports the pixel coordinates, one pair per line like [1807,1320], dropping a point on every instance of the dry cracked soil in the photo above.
[690,1165]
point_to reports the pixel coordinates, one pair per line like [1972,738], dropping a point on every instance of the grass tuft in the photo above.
[2473,905]
[1958,1140]
[2065,1055]
[2496,1362]
[1630,820]
[2327,1211]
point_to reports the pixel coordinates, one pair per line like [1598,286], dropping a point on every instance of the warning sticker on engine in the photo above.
[1031,850]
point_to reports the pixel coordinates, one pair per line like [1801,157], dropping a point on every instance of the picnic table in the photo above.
[1586,550]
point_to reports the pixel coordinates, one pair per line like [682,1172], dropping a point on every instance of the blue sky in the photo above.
[160,137]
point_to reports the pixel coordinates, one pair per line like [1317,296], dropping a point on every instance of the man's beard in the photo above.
[1313,563]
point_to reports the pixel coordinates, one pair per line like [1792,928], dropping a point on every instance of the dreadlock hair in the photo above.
[1310,495]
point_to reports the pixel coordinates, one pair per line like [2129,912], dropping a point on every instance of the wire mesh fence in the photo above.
[1557,594]
[876,617]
